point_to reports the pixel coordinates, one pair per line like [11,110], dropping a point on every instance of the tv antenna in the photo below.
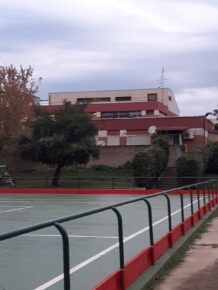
[162,80]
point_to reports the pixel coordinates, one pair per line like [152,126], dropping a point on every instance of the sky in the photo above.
[78,45]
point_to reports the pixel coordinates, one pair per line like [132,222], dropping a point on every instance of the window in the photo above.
[149,113]
[138,140]
[124,114]
[109,115]
[170,98]
[135,114]
[122,99]
[88,100]
[113,140]
[152,97]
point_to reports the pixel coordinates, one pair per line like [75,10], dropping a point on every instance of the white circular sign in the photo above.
[152,129]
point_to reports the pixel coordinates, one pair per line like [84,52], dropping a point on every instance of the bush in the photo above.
[161,143]
[187,166]
[102,167]
[144,165]
[200,154]
[150,164]
[212,158]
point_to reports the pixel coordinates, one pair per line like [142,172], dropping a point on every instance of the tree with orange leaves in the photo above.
[17,95]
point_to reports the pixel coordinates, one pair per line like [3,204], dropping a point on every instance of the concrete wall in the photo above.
[116,156]
[213,137]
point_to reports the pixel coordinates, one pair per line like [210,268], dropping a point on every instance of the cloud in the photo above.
[198,101]
[99,44]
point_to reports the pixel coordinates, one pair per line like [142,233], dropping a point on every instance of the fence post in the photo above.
[121,246]
[212,192]
[151,233]
[208,192]
[199,204]
[66,255]
[216,190]
[169,218]
[192,208]
[182,211]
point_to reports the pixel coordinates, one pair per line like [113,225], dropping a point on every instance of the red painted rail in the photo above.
[88,191]
[137,265]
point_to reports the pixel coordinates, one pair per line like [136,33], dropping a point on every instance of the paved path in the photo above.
[199,270]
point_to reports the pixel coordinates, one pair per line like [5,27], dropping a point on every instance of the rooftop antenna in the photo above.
[162,80]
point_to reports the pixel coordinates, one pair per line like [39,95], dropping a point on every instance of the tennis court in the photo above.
[34,261]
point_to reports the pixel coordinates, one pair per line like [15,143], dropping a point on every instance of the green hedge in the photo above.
[212,158]
[208,156]
[187,166]
[150,163]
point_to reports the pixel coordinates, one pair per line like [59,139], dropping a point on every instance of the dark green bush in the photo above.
[189,169]
[200,154]
[150,164]
[144,166]
[163,144]
[212,158]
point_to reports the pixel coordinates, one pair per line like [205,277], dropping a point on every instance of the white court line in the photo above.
[68,201]
[104,252]
[10,205]
[16,209]
[73,236]
[16,201]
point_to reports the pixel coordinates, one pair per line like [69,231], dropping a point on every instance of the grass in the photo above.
[98,176]
[179,256]
[80,177]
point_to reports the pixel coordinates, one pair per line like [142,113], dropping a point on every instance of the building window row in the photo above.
[89,100]
[103,99]
[150,97]
[117,115]
[123,99]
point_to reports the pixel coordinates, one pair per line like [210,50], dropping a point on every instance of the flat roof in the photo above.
[118,90]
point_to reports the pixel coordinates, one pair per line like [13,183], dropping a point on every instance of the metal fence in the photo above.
[97,182]
[209,188]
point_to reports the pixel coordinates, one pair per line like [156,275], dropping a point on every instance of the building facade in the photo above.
[132,118]
[117,104]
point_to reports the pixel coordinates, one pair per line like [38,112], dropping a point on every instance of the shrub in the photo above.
[212,158]
[164,145]
[200,154]
[149,164]
[187,166]
[102,167]
[144,165]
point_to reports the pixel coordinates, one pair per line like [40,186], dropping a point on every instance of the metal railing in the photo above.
[208,187]
[93,182]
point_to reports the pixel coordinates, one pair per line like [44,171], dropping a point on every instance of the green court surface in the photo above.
[34,261]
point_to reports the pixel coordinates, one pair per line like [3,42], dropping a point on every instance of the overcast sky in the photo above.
[79,45]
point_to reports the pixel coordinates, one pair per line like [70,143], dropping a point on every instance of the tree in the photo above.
[215,113]
[17,94]
[64,139]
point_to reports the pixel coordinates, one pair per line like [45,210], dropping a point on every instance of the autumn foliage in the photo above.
[17,94]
